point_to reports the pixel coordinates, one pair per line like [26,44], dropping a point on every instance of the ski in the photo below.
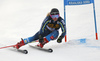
[43,49]
[19,50]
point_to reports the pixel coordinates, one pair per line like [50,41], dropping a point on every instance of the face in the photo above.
[55,17]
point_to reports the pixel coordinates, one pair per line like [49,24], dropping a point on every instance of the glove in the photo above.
[41,39]
[59,40]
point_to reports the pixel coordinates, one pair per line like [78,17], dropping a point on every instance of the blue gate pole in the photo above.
[65,19]
[95,21]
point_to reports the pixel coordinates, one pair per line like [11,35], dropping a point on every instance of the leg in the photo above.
[30,39]
[52,35]
[35,37]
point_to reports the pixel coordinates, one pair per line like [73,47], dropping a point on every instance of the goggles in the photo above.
[54,16]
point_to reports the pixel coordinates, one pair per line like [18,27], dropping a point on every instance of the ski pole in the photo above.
[7,46]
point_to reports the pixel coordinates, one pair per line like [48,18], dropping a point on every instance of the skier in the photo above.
[48,31]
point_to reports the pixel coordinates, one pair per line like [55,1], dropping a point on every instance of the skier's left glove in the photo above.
[59,40]
[41,39]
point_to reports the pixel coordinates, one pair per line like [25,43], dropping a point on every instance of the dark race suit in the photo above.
[49,29]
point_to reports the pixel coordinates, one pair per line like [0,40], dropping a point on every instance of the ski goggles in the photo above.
[54,16]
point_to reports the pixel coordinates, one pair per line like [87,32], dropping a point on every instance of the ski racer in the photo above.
[48,31]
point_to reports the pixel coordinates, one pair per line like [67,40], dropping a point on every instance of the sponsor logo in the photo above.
[78,2]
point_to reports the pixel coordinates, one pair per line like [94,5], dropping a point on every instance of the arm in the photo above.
[63,28]
[45,22]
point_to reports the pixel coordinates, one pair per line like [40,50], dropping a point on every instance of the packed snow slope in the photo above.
[23,18]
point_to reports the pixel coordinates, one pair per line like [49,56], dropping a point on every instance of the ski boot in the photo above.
[19,44]
[43,43]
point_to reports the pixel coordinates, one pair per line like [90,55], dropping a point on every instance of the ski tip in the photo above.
[50,50]
[25,51]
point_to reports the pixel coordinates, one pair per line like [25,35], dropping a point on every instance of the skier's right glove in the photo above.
[41,39]
[59,40]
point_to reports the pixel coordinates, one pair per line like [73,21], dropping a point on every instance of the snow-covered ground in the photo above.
[23,18]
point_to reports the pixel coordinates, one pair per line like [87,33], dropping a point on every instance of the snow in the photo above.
[23,18]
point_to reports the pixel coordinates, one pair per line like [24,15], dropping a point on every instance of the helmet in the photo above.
[54,11]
